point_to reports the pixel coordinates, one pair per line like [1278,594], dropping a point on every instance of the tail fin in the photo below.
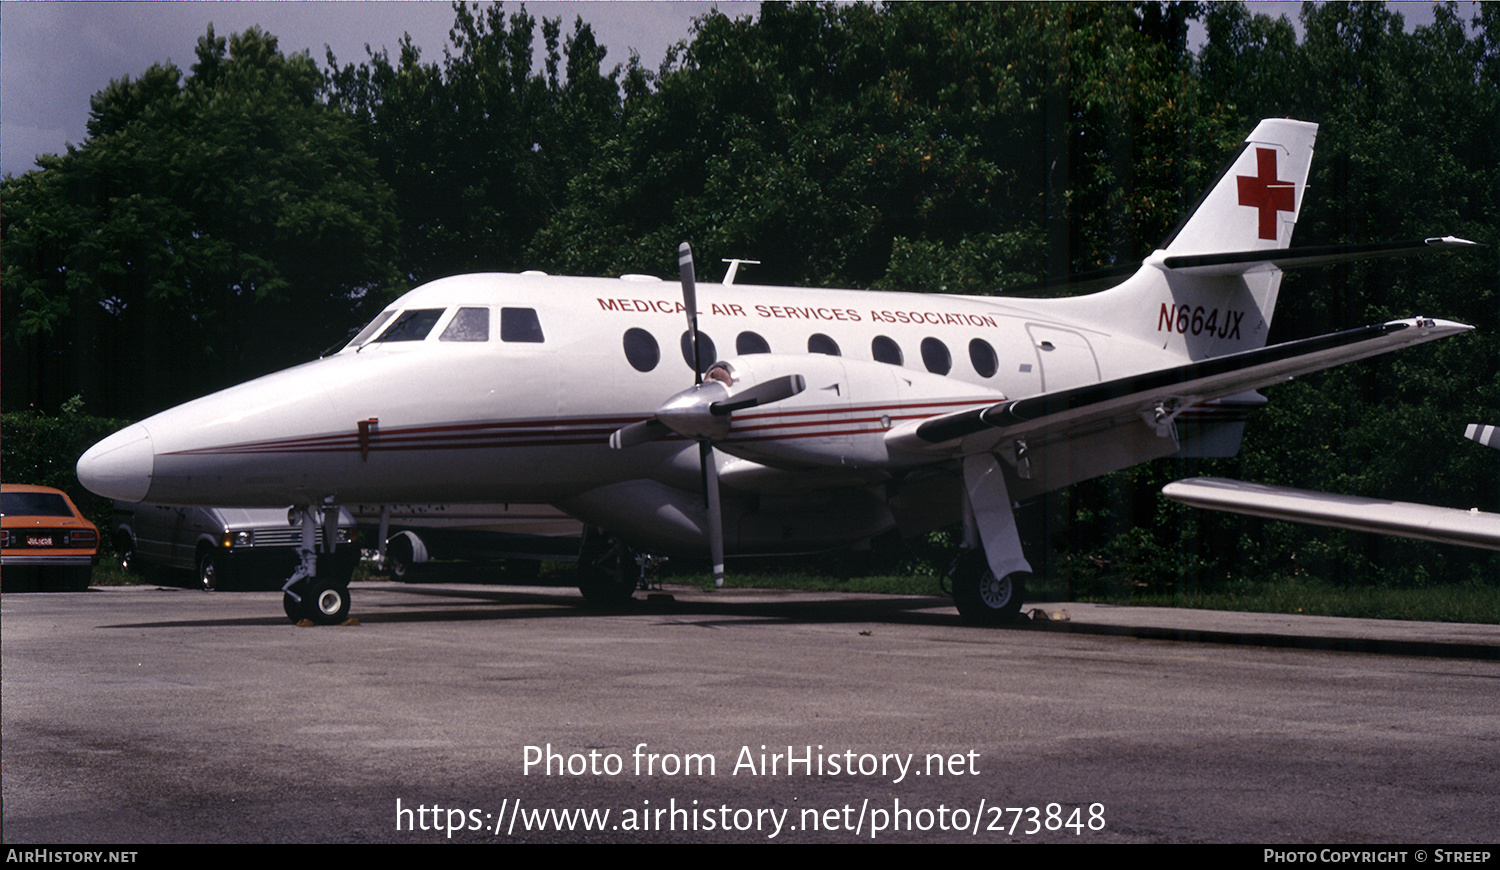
[1176,302]
[1254,204]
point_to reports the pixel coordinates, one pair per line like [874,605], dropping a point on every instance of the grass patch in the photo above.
[1471,602]
[1467,602]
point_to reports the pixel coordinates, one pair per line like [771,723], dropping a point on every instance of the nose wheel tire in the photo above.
[981,597]
[324,602]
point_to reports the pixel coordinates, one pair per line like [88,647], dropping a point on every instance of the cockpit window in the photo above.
[520,324]
[412,325]
[469,324]
[364,334]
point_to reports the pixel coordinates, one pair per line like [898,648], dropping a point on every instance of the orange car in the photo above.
[45,543]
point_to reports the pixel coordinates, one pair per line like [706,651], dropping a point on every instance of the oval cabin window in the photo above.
[936,357]
[706,353]
[641,350]
[983,357]
[885,349]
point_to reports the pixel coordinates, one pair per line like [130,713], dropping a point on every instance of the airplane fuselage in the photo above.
[525,415]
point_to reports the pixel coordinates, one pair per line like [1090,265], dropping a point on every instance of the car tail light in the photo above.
[5,538]
[83,538]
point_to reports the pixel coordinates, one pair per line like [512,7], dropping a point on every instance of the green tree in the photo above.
[480,148]
[210,228]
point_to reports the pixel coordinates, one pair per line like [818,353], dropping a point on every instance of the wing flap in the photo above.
[1156,397]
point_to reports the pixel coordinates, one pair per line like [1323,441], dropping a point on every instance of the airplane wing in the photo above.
[1470,528]
[1145,404]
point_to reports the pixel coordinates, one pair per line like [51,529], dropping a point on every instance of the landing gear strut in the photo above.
[323,600]
[989,576]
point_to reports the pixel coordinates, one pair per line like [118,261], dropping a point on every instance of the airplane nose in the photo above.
[120,466]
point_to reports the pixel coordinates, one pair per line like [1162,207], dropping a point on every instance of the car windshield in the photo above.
[33,504]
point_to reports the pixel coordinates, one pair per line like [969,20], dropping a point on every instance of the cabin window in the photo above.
[520,324]
[641,349]
[706,355]
[750,342]
[469,324]
[885,349]
[820,343]
[936,357]
[364,334]
[412,325]
[983,357]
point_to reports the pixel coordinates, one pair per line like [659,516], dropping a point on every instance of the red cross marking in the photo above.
[1265,192]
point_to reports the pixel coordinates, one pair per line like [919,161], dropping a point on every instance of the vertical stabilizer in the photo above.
[1254,204]
[1202,312]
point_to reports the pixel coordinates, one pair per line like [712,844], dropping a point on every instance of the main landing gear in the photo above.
[607,570]
[980,597]
[319,597]
[989,576]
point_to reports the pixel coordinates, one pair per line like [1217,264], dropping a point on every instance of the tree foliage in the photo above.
[212,226]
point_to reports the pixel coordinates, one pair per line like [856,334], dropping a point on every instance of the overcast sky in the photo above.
[55,55]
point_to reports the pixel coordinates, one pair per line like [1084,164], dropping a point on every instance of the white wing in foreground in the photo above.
[1469,528]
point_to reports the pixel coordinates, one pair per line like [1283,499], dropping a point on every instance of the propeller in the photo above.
[702,413]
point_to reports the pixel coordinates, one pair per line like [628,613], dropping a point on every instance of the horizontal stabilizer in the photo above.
[1239,262]
[1470,528]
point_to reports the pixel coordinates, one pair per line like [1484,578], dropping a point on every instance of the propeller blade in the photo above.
[690,301]
[715,515]
[761,394]
[638,433]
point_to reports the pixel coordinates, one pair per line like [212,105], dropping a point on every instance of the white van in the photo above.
[225,548]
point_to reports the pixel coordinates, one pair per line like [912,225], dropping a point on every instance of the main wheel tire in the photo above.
[399,558]
[327,602]
[980,597]
[606,571]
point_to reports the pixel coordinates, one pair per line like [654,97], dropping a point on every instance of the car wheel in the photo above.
[209,578]
[125,549]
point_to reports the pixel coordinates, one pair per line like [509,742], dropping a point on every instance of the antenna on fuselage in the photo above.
[734,267]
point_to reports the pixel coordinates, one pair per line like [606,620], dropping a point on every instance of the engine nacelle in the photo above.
[842,416]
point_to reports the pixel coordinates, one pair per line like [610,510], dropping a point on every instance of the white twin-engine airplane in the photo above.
[815,418]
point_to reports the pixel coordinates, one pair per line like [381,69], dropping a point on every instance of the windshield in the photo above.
[412,325]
